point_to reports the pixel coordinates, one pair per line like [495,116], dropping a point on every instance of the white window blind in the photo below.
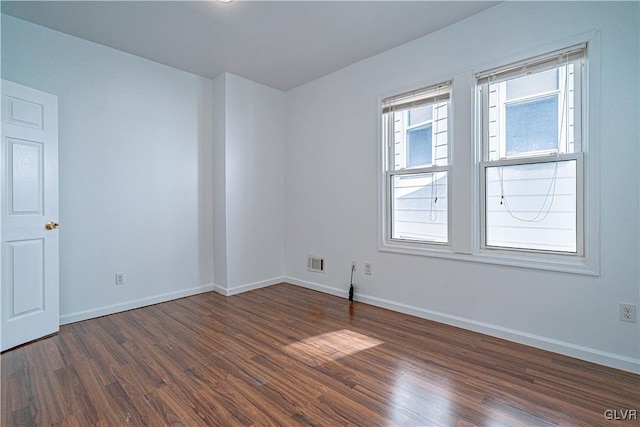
[405,101]
[531,66]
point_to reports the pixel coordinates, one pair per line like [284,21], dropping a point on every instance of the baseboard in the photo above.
[343,293]
[130,305]
[248,287]
[611,360]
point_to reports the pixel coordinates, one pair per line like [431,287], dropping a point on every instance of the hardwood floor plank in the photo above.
[285,355]
[78,403]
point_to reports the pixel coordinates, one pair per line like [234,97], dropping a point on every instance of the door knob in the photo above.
[52,225]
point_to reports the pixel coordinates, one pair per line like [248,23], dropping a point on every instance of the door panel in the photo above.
[25,113]
[29,252]
[25,180]
[26,283]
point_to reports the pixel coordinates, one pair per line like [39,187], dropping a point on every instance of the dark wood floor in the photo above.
[284,355]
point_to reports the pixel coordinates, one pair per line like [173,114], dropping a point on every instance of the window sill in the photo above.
[557,263]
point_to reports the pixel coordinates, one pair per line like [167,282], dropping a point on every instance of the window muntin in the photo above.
[531,166]
[417,147]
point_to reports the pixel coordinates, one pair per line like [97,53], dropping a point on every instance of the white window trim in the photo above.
[463,178]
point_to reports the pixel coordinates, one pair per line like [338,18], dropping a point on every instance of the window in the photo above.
[415,133]
[520,185]
[531,166]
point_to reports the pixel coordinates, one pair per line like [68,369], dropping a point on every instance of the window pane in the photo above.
[532,125]
[532,206]
[419,207]
[419,146]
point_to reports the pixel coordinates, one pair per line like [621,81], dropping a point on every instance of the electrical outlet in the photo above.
[354,265]
[119,279]
[367,268]
[628,312]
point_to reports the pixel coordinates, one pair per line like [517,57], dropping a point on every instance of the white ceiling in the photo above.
[282,44]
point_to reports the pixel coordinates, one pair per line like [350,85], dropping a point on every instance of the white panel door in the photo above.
[29,230]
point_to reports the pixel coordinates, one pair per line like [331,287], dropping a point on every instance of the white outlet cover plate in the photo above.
[628,312]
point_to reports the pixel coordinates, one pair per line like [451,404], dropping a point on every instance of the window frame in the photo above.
[578,157]
[388,128]
[483,82]
[562,143]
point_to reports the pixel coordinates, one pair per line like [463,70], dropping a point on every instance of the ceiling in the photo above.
[282,44]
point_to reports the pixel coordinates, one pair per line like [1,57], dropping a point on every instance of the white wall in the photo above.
[219,182]
[249,184]
[135,169]
[332,187]
[1,206]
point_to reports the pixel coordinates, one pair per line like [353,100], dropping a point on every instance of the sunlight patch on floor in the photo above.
[331,346]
